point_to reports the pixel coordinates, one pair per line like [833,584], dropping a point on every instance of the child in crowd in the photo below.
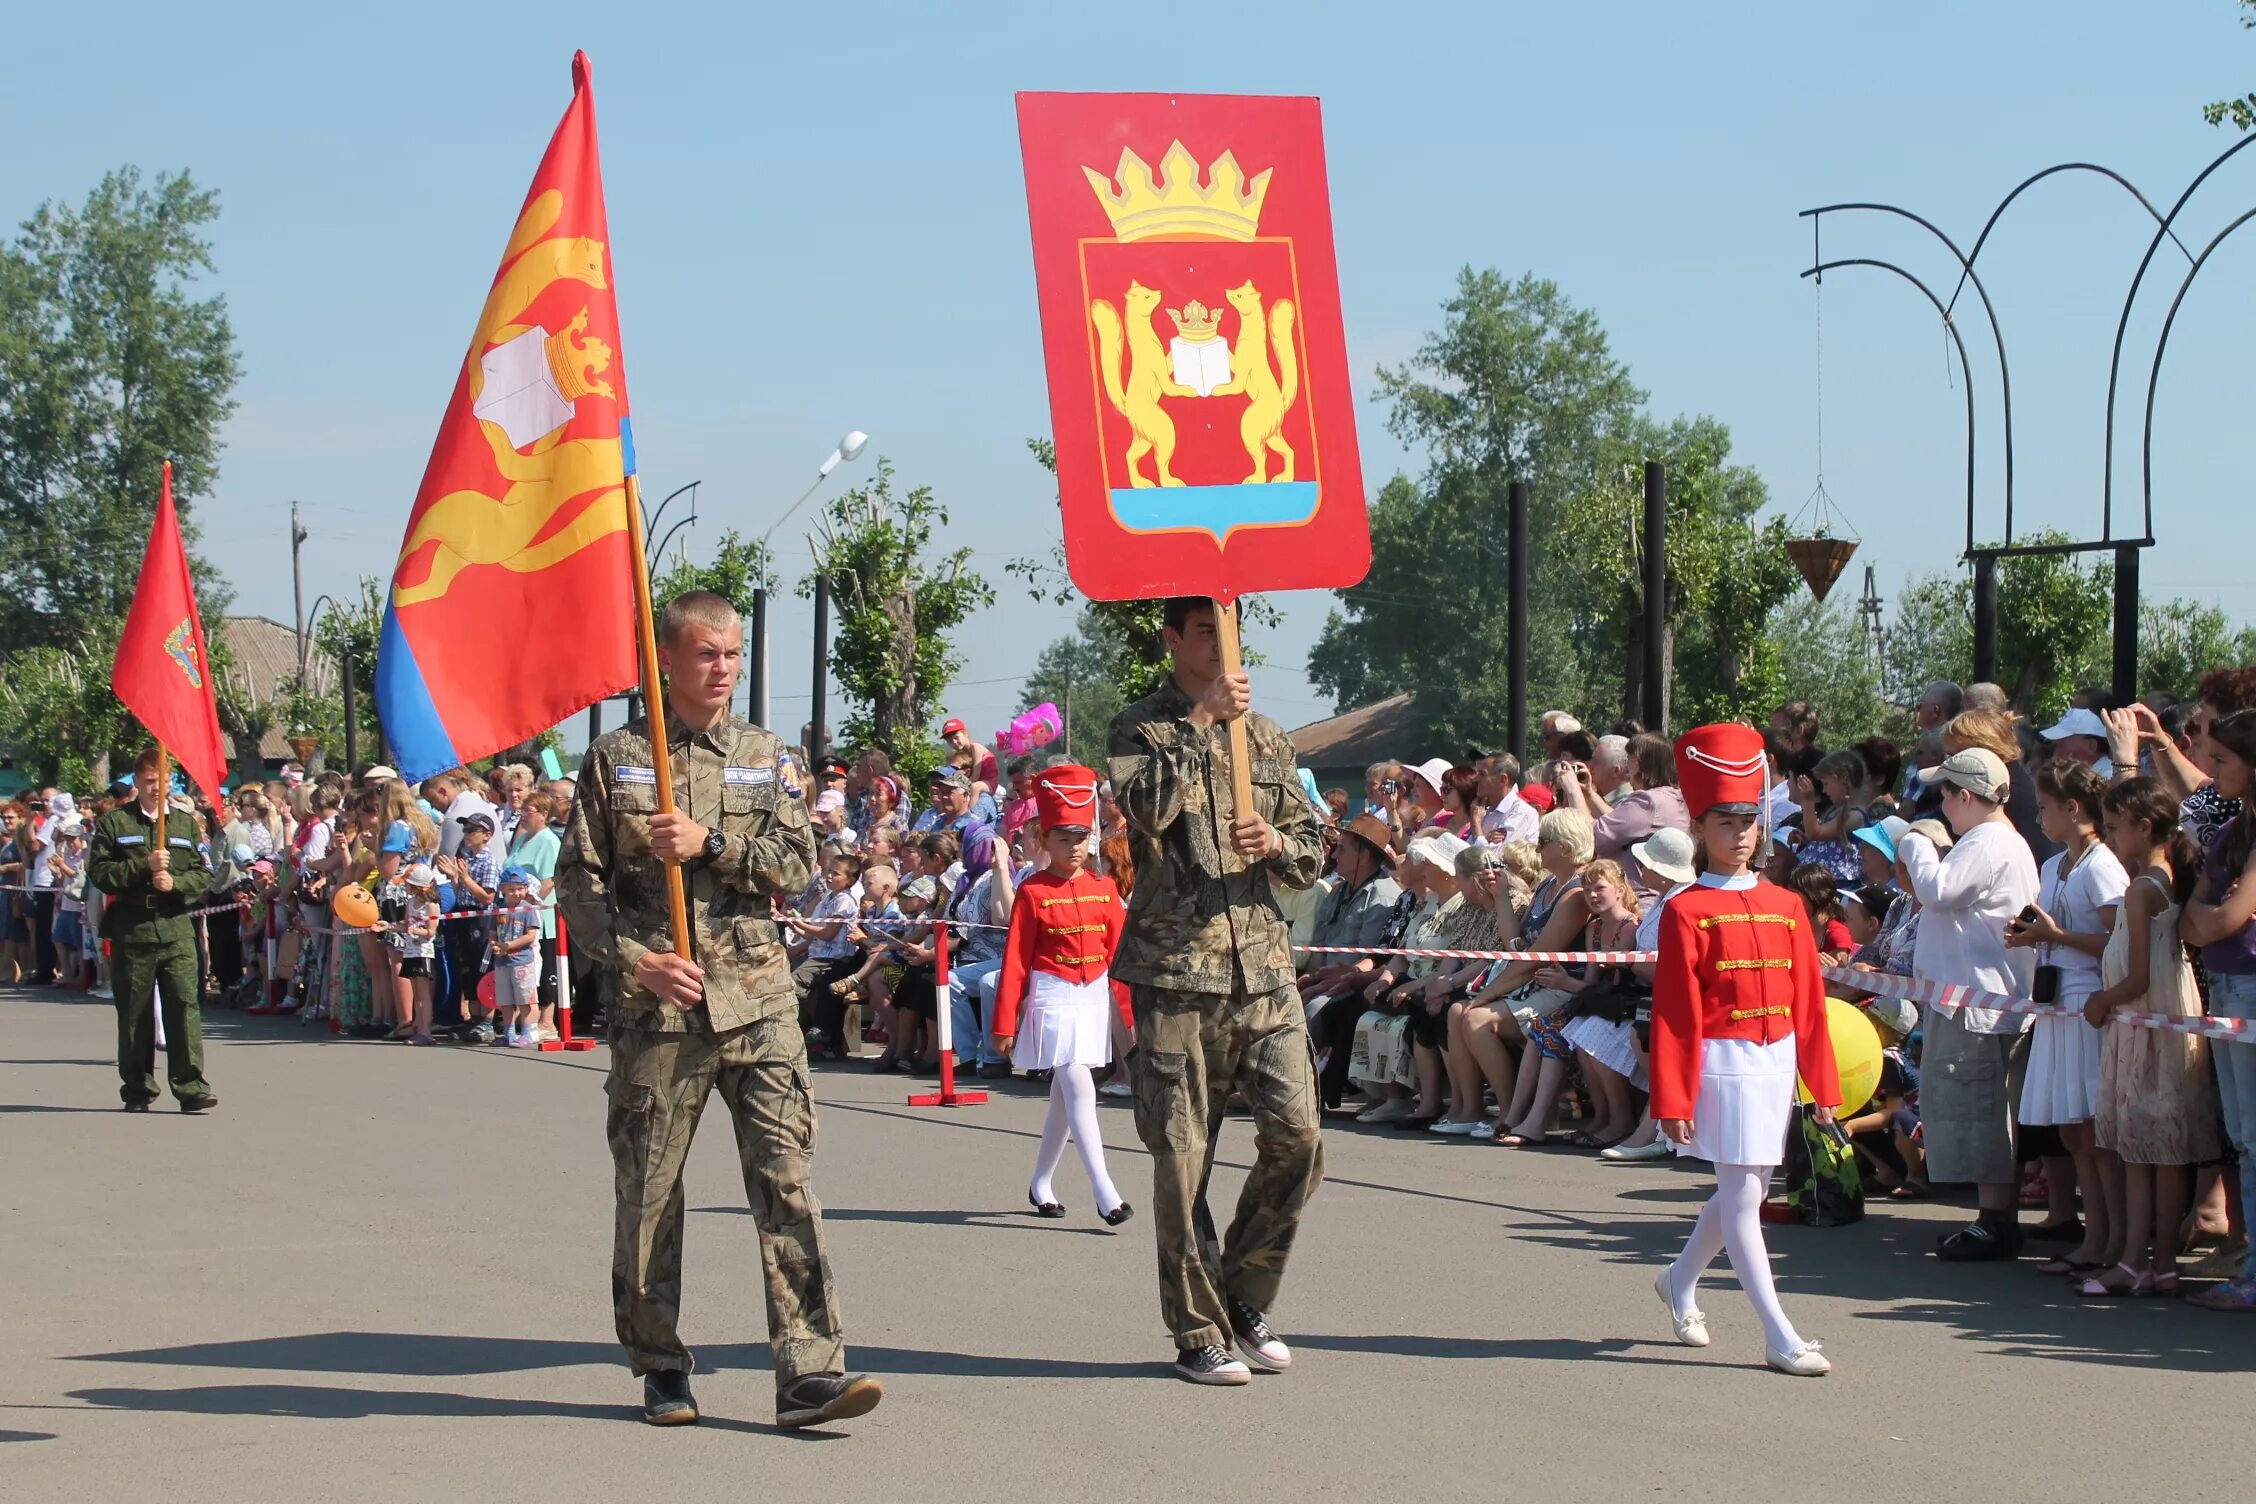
[1604,1037]
[908,949]
[415,937]
[517,962]
[1820,893]
[1054,1002]
[69,868]
[1885,1135]
[831,954]
[1863,911]
[2157,1106]
[473,870]
[255,899]
[1738,1013]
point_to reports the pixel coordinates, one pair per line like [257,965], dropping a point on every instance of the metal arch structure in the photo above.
[1997,333]
[2126,550]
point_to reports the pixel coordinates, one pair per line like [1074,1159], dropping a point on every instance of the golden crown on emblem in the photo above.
[1195,321]
[1174,205]
[578,363]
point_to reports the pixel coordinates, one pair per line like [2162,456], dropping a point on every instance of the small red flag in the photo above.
[163,671]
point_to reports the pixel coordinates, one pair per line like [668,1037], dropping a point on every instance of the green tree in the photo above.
[2054,619]
[896,602]
[344,639]
[1815,651]
[1077,674]
[735,568]
[2180,640]
[2242,111]
[108,367]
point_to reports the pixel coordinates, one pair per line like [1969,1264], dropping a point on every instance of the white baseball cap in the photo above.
[2077,722]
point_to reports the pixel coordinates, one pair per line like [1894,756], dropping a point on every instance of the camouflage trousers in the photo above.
[658,1086]
[1192,1052]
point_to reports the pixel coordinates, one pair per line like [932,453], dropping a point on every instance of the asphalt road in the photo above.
[379,1273]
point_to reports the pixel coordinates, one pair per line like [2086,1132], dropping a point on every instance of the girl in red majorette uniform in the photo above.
[1738,1011]
[1056,964]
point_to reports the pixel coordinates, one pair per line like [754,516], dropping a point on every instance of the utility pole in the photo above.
[297,587]
[1868,616]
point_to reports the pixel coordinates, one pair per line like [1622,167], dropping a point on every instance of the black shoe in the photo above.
[2056,1232]
[1979,1243]
[812,1399]
[995,1070]
[1210,1365]
[1118,1214]
[1040,1078]
[1044,1208]
[204,1102]
[1257,1341]
[140,1106]
[666,1400]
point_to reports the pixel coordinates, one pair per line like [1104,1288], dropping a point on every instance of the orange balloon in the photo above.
[356,906]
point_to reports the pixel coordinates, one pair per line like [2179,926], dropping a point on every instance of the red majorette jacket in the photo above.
[1736,963]
[1064,926]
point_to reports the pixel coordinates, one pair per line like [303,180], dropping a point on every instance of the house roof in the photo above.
[264,656]
[1356,738]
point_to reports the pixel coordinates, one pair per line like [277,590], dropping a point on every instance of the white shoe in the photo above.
[1804,1362]
[1450,1125]
[1691,1326]
[1482,1132]
[1116,1089]
[1621,1154]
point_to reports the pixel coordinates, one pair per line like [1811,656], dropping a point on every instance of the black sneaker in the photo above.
[812,1399]
[666,1400]
[1257,1340]
[1979,1243]
[203,1102]
[141,1105]
[1210,1365]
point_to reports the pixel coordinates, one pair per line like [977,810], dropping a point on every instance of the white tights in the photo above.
[1731,1220]
[1073,1108]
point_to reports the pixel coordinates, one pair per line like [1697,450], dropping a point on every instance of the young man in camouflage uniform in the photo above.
[721,1018]
[1209,960]
[153,873]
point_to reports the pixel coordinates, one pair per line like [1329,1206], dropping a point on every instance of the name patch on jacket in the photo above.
[132,840]
[748,775]
[623,774]
[181,841]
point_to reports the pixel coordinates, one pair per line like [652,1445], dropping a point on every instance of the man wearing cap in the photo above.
[145,858]
[1970,1069]
[722,1018]
[1366,907]
[1209,959]
[2081,736]
[950,809]
[957,738]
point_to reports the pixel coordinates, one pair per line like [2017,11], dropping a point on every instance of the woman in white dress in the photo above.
[2078,893]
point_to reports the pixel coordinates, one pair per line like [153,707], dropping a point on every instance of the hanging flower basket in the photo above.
[1820,560]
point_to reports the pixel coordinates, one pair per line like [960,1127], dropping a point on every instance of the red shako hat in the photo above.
[1066,795]
[1722,767]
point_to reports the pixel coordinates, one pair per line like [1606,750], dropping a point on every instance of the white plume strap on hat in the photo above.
[1073,795]
[1745,767]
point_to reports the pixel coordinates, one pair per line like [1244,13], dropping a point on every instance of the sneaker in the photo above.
[478,1034]
[1210,1365]
[814,1398]
[140,1104]
[1978,1243]
[525,1041]
[1257,1340]
[1804,1362]
[1451,1126]
[994,1070]
[548,1036]
[1691,1326]
[1483,1132]
[1116,1089]
[421,1039]
[204,1102]
[500,1041]
[666,1400]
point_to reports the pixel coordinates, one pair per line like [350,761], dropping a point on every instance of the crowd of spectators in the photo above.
[2104,864]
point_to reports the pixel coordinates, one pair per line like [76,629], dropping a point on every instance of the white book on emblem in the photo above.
[1201,365]
[520,390]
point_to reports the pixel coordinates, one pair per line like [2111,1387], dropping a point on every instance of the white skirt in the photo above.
[1612,1045]
[1746,1100]
[2061,1082]
[1064,1023]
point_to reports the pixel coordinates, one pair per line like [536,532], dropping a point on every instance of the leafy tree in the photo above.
[108,367]
[896,603]
[2180,640]
[2242,111]
[734,569]
[1815,651]
[59,717]
[2054,620]
[1077,674]
[344,639]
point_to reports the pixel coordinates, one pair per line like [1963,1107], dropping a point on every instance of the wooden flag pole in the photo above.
[654,707]
[1233,662]
[161,840]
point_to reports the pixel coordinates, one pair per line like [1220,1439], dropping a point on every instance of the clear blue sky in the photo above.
[818,225]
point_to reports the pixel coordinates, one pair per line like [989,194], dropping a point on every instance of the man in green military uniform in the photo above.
[723,1017]
[1209,961]
[145,858]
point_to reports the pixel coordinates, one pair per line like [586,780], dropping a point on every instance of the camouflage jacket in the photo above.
[1201,918]
[117,862]
[612,891]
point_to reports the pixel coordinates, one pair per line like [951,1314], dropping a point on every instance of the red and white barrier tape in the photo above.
[1949,996]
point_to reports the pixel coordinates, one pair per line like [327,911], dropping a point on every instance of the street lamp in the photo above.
[345,675]
[849,448]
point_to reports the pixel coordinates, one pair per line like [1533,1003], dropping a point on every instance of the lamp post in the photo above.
[849,448]
[345,675]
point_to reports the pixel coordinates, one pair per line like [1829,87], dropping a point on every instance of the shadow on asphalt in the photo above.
[321,1402]
[50,1107]
[421,1355]
[1008,1221]
[8,1436]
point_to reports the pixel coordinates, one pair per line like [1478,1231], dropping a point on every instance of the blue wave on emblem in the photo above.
[1214,509]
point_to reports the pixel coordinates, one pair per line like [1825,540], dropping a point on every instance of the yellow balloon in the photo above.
[1856,1055]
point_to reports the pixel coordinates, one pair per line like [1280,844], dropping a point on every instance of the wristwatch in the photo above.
[715,844]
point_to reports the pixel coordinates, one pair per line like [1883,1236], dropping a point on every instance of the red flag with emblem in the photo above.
[162,672]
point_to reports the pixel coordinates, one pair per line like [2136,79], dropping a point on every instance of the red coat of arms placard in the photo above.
[1197,359]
